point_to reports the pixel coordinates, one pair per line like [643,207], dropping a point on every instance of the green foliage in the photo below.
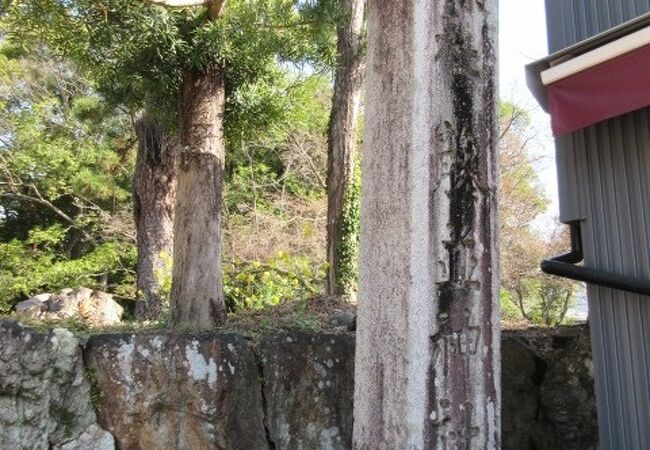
[542,300]
[163,277]
[285,158]
[39,264]
[251,187]
[300,111]
[137,51]
[58,138]
[302,320]
[509,309]
[525,292]
[514,116]
[64,181]
[96,394]
[321,17]
[349,248]
[254,285]
[69,140]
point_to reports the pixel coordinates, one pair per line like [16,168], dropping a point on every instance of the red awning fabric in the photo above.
[607,90]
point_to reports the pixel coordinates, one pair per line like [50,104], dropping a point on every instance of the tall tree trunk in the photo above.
[427,362]
[197,291]
[341,148]
[154,189]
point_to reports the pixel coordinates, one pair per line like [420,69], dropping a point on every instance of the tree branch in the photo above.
[310,161]
[179,3]
[49,205]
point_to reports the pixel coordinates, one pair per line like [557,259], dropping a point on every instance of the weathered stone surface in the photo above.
[567,392]
[94,438]
[95,308]
[427,355]
[33,306]
[61,306]
[343,320]
[522,375]
[44,396]
[100,309]
[308,390]
[548,390]
[165,391]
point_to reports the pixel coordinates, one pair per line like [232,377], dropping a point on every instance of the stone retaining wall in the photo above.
[290,390]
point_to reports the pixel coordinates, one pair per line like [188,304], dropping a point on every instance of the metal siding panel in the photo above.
[567,183]
[641,179]
[604,345]
[641,163]
[620,217]
[554,22]
[602,17]
[615,11]
[604,178]
[571,21]
[632,236]
[602,380]
[579,22]
[599,184]
[592,18]
[615,187]
[569,31]
[629,9]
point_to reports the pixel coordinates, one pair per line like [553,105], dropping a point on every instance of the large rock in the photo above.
[33,306]
[172,392]
[568,395]
[523,424]
[308,389]
[548,390]
[45,400]
[95,308]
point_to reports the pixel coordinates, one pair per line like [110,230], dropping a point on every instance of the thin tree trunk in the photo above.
[341,228]
[197,291]
[565,308]
[520,304]
[154,188]
[427,370]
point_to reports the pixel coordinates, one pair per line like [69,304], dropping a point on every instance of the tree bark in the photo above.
[154,189]
[341,146]
[427,369]
[197,291]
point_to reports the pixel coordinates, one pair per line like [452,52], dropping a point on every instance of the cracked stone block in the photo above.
[548,390]
[163,391]
[308,390]
[44,394]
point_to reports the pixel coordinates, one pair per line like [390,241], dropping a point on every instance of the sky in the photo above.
[522,40]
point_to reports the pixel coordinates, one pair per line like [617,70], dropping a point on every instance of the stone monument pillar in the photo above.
[427,359]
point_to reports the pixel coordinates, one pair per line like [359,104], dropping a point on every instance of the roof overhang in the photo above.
[596,79]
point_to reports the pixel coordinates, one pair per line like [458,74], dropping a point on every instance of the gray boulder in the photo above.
[45,400]
[178,392]
[309,390]
[95,308]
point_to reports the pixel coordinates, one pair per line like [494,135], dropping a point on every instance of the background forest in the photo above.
[83,103]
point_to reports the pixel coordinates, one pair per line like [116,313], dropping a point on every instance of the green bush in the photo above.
[256,284]
[37,265]
[543,300]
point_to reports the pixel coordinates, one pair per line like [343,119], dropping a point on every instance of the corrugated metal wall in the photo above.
[604,180]
[572,21]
